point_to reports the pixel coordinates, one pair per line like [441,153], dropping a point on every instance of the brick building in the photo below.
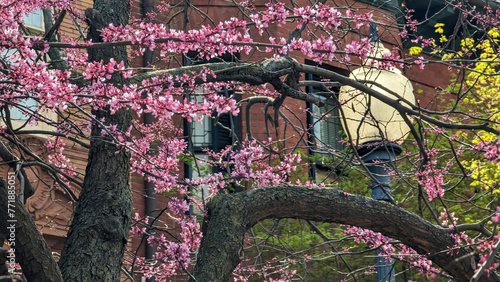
[52,209]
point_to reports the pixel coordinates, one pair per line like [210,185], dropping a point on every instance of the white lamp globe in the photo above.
[368,119]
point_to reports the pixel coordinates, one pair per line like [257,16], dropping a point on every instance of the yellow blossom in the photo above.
[415,50]
[439,28]
[494,32]
[467,43]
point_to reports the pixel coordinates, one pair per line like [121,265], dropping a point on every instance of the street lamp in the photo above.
[377,129]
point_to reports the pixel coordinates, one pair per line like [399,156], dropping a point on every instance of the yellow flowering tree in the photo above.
[483,88]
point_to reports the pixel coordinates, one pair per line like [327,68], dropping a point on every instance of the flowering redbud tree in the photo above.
[277,200]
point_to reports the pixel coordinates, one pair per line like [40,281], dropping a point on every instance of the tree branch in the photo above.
[271,69]
[230,216]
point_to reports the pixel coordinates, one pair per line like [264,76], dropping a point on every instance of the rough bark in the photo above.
[96,242]
[31,250]
[230,216]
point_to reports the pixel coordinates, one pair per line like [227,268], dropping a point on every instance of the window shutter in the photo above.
[221,136]
[333,128]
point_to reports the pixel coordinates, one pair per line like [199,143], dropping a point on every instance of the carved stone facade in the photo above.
[50,206]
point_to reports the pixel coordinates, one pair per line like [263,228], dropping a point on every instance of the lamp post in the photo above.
[377,129]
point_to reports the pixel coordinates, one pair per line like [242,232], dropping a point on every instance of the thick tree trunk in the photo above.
[30,249]
[230,216]
[98,235]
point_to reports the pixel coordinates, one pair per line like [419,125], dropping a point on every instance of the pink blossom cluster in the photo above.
[496,217]
[448,219]
[164,95]
[432,178]
[13,11]
[212,41]
[360,20]
[170,257]
[361,235]
[491,150]
[101,71]
[415,260]
[486,19]
[139,225]
[324,15]
[487,248]
[315,48]
[410,22]
[359,48]
[168,261]
[208,186]
[29,77]
[276,270]
[398,250]
[234,36]
[161,168]
[251,162]
[276,12]
[55,149]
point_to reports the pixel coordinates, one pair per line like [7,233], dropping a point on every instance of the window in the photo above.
[212,133]
[21,113]
[325,128]
[201,132]
[34,21]
[326,124]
